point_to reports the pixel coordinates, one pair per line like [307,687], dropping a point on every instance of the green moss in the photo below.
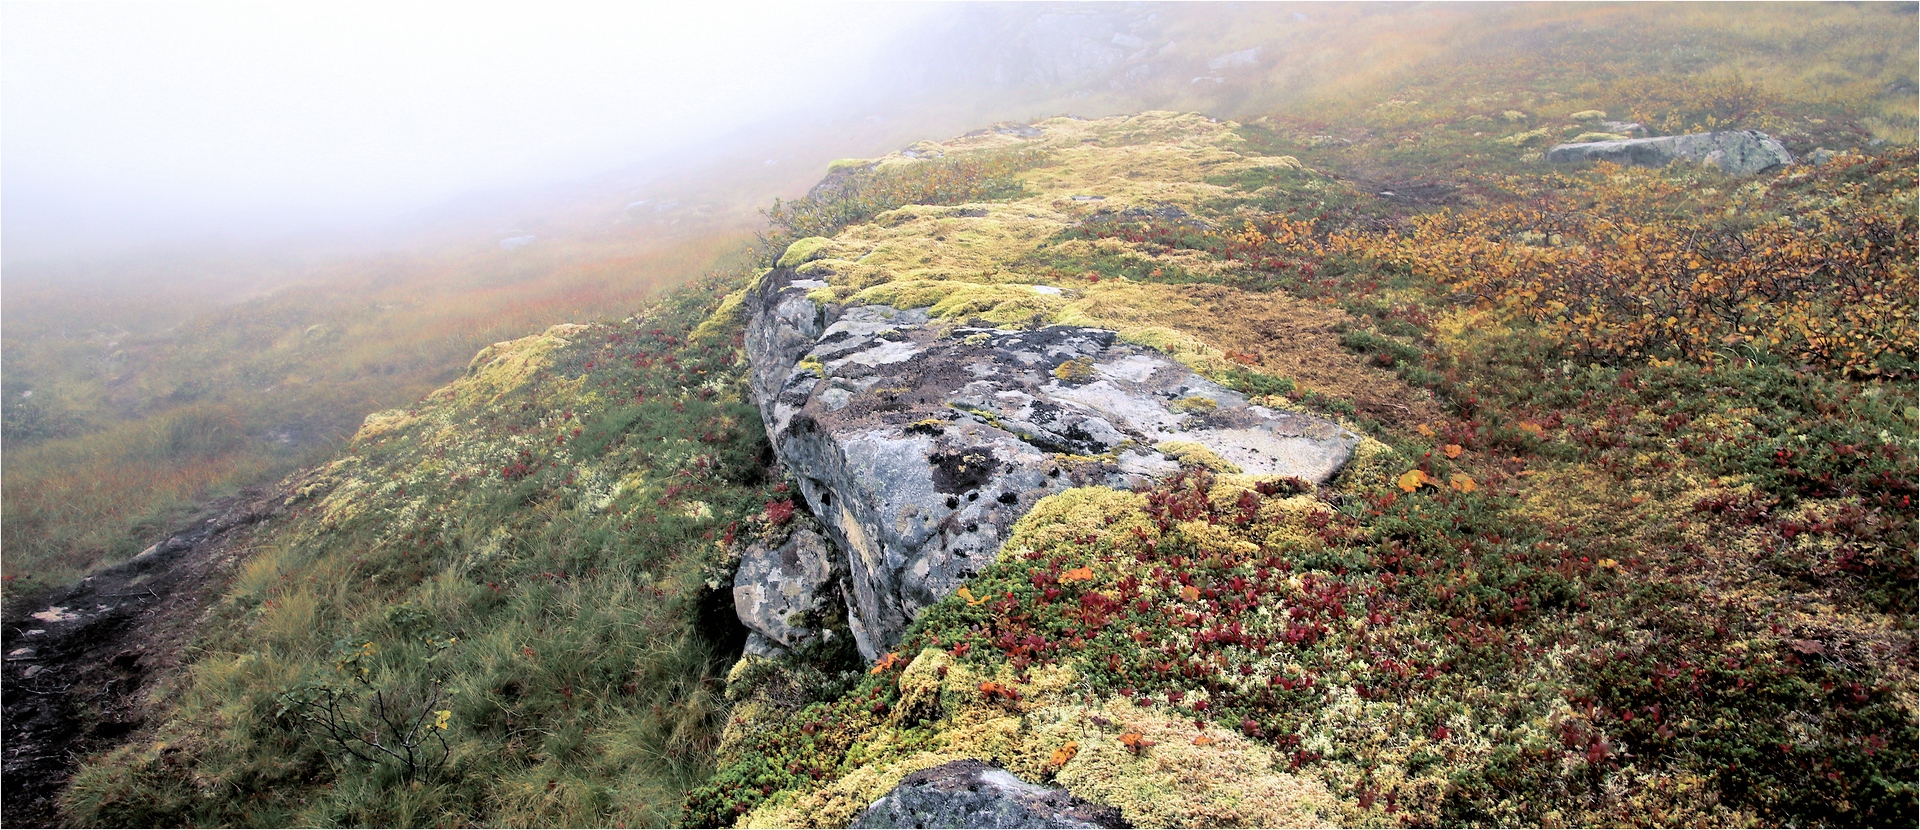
[1077,370]
[803,250]
[725,320]
[1195,405]
[1196,455]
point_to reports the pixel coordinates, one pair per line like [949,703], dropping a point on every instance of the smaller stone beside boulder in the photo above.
[1736,152]
[785,590]
[973,794]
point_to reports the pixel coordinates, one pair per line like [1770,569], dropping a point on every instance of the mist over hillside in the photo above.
[1210,414]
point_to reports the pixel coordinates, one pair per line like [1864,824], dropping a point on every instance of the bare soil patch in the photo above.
[80,660]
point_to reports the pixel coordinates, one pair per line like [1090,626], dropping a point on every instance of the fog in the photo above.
[131,126]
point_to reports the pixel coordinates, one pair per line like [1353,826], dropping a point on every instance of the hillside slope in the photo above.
[1627,535]
[1593,567]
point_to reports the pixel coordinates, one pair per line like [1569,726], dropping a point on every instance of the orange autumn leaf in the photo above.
[1462,482]
[1204,741]
[991,690]
[1189,593]
[1135,742]
[1077,574]
[1424,430]
[1532,428]
[892,659]
[1412,480]
[1452,450]
[967,594]
[1064,754]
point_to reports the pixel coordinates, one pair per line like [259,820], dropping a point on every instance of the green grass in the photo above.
[536,545]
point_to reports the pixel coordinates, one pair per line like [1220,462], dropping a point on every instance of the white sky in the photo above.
[155,121]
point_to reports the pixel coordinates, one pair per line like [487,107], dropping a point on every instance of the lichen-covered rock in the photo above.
[1736,152]
[785,588]
[973,794]
[919,443]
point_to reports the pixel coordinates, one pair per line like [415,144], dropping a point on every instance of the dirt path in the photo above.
[80,659]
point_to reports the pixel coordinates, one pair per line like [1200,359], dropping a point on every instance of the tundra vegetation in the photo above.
[1631,540]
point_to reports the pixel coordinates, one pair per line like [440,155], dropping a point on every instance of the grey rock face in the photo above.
[919,443]
[782,591]
[972,794]
[1736,153]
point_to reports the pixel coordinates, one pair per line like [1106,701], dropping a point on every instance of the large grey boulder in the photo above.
[1736,152]
[787,589]
[972,794]
[919,443]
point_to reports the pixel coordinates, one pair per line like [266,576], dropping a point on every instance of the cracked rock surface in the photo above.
[918,443]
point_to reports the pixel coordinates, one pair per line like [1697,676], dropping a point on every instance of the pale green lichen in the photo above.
[1371,468]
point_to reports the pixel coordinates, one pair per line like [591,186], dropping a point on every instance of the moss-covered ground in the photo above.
[1632,541]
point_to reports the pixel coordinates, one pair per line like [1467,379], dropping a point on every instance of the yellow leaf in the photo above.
[967,594]
[1452,450]
[1412,480]
[1204,741]
[1077,574]
[1462,482]
[1424,430]
[1189,593]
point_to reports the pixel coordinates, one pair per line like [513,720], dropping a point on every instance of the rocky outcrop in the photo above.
[918,443]
[972,794]
[1736,153]
[786,590]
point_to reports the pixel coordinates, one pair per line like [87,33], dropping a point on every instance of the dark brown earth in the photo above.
[80,660]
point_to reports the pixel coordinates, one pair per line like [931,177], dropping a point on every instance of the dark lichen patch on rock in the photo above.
[962,470]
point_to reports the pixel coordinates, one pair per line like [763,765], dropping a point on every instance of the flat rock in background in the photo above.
[1736,152]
